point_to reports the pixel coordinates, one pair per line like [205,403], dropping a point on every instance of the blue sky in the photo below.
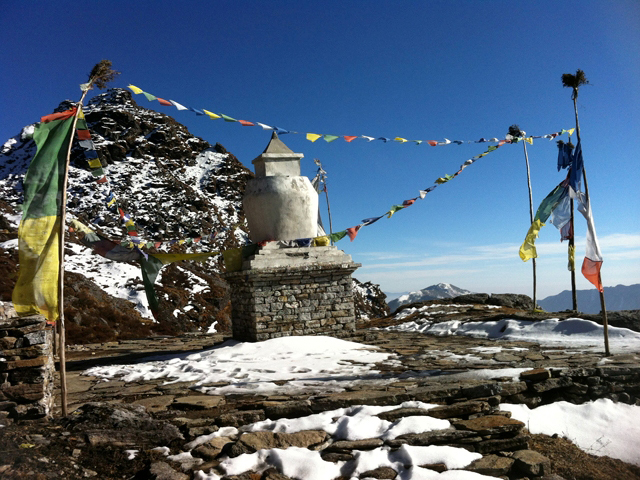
[419,70]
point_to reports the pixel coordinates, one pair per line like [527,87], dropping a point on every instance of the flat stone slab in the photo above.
[491,425]
[198,402]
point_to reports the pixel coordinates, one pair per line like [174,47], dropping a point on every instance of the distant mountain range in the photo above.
[441,290]
[620,297]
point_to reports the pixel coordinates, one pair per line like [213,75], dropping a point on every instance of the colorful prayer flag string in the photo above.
[312,137]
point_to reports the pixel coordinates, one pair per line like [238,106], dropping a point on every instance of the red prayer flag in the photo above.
[246,123]
[157,244]
[58,116]
[164,102]
[408,203]
[350,138]
[433,143]
[102,180]
[353,231]
[591,271]
[83,134]
[133,233]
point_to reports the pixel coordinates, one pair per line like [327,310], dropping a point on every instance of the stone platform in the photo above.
[293,291]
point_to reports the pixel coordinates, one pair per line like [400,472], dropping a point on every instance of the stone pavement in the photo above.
[422,361]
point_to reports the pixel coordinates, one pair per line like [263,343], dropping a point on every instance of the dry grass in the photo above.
[571,463]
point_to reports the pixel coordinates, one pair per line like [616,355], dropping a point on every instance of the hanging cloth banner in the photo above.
[593,258]
[36,290]
[312,137]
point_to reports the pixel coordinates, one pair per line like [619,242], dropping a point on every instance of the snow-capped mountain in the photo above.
[175,186]
[441,290]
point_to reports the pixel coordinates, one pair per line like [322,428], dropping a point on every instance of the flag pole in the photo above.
[581,79]
[526,158]
[572,264]
[63,213]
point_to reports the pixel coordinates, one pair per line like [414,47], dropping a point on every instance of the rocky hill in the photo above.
[620,297]
[175,186]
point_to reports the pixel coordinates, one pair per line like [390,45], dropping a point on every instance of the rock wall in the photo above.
[283,301]
[26,368]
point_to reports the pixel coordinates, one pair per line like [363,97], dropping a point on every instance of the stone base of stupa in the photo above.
[293,291]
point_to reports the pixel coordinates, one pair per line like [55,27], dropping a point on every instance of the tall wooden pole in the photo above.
[526,158]
[574,293]
[603,305]
[63,213]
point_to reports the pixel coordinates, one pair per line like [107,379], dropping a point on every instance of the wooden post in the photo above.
[574,294]
[63,213]
[526,159]
[603,305]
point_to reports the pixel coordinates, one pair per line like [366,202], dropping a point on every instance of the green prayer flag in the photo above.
[330,138]
[335,237]
[550,203]
[227,118]
[150,97]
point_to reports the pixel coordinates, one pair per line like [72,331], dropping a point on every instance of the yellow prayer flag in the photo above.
[571,265]
[528,248]
[129,223]
[400,139]
[135,89]
[95,163]
[212,115]
[529,140]
[80,113]
[571,130]
[322,241]
[312,137]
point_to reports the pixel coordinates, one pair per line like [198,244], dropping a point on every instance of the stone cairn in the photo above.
[283,290]
[26,368]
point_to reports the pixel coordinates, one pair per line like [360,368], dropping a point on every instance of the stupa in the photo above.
[283,288]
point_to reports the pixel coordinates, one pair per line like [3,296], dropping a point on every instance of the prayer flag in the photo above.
[83,134]
[408,203]
[353,231]
[336,237]
[393,210]
[211,115]
[135,89]
[550,202]
[529,140]
[226,118]
[322,241]
[418,142]
[400,139]
[593,258]
[385,140]
[178,106]
[433,143]
[36,290]
[528,248]
[281,131]
[577,164]
[330,138]
[371,220]
[245,123]
[423,193]
[87,145]
[196,111]
[350,138]
[264,127]
[95,163]
[368,138]
[90,154]
[312,137]
[162,101]
[444,179]
[58,116]
[150,97]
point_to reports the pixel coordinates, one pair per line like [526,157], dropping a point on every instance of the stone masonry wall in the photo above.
[278,302]
[26,369]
